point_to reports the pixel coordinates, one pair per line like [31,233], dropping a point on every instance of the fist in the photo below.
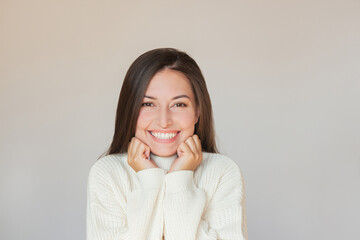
[139,155]
[189,155]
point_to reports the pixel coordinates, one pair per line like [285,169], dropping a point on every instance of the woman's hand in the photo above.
[138,155]
[190,155]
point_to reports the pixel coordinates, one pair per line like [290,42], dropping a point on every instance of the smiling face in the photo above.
[168,113]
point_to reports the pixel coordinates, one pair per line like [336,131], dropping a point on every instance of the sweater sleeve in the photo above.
[112,216]
[184,208]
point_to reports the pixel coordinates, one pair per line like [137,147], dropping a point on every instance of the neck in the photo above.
[163,162]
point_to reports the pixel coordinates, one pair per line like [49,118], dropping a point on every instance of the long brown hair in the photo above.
[133,90]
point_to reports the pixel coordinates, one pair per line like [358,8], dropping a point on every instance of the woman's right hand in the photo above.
[138,155]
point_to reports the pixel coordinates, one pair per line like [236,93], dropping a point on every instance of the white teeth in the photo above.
[163,135]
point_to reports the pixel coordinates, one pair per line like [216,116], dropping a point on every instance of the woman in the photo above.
[162,177]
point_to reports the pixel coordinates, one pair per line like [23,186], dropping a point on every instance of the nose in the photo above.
[165,117]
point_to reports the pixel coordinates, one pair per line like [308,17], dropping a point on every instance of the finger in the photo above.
[184,148]
[197,142]
[143,150]
[136,146]
[194,143]
[198,146]
[132,147]
[191,143]
[147,152]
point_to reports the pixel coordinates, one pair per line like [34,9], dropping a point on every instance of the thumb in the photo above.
[147,152]
[180,150]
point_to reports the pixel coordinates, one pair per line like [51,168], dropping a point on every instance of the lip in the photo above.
[165,140]
[164,131]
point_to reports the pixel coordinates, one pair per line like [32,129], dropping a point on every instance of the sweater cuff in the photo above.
[179,181]
[151,178]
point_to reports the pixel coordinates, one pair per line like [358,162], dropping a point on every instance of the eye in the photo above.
[180,104]
[147,104]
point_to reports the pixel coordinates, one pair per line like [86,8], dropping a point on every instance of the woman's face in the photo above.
[168,113]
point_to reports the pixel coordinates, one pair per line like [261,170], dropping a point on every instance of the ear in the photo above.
[197,114]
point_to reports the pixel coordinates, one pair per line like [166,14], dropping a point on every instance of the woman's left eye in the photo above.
[180,104]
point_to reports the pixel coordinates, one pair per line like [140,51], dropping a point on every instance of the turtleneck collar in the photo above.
[163,162]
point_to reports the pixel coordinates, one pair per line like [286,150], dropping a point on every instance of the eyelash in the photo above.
[144,104]
[183,104]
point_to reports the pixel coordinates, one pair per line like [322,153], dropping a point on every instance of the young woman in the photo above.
[162,177]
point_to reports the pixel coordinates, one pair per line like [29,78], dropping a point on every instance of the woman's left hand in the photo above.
[189,155]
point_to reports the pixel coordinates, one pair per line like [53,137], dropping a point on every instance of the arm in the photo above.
[184,204]
[112,216]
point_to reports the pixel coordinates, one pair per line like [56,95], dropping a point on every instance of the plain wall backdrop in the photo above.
[284,80]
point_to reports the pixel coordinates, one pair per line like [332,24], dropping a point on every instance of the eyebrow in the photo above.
[180,96]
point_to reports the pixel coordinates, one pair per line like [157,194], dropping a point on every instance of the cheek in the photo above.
[186,120]
[143,122]
[187,124]
[141,126]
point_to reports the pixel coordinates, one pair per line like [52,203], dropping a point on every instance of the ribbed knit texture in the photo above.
[205,204]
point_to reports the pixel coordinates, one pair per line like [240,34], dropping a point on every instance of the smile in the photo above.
[164,136]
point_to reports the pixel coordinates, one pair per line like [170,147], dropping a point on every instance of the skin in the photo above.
[166,113]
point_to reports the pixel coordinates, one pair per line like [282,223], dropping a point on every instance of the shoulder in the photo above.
[220,162]
[220,166]
[219,173]
[109,165]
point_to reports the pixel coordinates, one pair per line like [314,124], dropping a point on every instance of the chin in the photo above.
[163,152]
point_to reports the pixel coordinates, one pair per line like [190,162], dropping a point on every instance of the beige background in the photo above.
[284,83]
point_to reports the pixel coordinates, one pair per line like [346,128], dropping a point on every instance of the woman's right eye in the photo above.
[146,104]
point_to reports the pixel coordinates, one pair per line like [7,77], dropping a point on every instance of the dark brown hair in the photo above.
[133,91]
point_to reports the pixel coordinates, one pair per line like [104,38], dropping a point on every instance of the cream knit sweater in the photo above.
[205,204]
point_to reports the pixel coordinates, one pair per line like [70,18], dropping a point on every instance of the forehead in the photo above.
[169,82]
